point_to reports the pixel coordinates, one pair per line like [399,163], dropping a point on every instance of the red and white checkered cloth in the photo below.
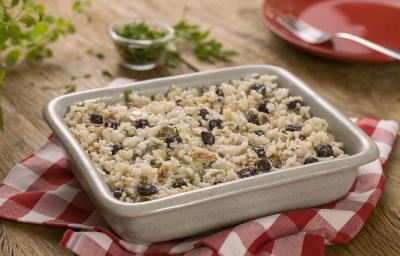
[42,190]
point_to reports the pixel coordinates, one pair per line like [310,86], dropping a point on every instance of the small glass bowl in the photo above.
[141,54]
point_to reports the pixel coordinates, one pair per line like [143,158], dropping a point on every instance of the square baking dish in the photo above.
[225,204]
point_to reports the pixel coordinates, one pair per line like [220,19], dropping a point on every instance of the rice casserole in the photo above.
[149,148]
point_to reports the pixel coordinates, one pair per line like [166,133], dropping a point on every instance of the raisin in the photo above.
[115,149]
[171,139]
[310,160]
[259,132]
[117,192]
[111,124]
[263,107]
[219,92]
[207,138]
[302,137]
[147,189]
[259,151]
[96,119]
[252,118]
[203,113]
[141,123]
[293,128]
[258,87]
[215,123]
[263,165]
[294,104]
[247,172]
[324,150]
[179,183]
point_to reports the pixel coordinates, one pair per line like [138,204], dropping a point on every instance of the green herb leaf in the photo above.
[27,20]
[12,57]
[39,29]
[14,3]
[69,88]
[106,73]
[2,75]
[152,146]
[204,48]
[128,95]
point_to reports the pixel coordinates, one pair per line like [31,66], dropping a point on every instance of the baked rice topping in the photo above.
[193,138]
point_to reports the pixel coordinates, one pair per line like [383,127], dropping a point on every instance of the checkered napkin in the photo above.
[42,190]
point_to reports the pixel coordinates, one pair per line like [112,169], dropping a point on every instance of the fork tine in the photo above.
[296,29]
[303,25]
[283,21]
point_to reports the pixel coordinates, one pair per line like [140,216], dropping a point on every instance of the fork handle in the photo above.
[374,46]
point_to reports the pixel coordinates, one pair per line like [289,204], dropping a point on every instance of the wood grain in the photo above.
[356,89]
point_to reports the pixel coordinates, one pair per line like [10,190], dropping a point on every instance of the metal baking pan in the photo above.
[225,204]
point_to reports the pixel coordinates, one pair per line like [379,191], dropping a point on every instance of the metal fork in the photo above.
[312,35]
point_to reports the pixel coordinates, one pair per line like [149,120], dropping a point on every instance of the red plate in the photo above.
[378,21]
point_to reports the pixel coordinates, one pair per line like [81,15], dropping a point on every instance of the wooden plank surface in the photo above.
[356,89]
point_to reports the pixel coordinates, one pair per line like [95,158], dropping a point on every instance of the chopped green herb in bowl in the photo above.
[141,42]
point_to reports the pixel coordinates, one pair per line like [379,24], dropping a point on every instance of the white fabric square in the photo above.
[102,239]
[267,222]
[51,152]
[65,192]
[233,245]
[35,217]
[336,218]
[20,178]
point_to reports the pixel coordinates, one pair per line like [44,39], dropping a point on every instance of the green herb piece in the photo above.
[152,146]
[221,155]
[139,31]
[99,55]
[93,53]
[176,131]
[137,54]
[106,73]
[128,95]
[199,42]
[70,88]
[154,163]
[78,5]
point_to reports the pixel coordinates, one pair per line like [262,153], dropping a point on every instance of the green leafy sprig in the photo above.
[26,30]
[200,43]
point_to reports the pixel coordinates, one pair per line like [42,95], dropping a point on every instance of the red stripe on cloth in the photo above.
[365,211]
[65,239]
[258,243]
[368,124]
[313,245]
[13,210]
[73,214]
[27,199]
[249,232]
[57,174]
[301,218]
[36,164]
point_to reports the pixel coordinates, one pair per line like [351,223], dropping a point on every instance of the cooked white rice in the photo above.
[127,142]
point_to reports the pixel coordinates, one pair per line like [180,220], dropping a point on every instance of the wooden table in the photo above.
[355,89]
